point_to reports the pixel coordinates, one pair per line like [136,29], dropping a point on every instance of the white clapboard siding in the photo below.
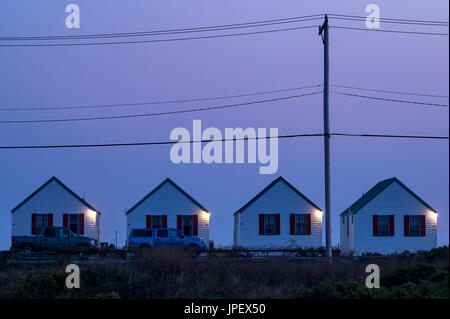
[167,199]
[281,199]
[393,200]
[346,233]
[54,199]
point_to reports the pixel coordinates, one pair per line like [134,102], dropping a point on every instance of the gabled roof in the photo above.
[377,189]
[167,180]
[279,179]
[54,179]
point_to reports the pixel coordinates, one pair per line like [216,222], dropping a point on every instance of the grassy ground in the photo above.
[168,273]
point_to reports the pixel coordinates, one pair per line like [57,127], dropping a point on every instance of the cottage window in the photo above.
[414,225]
[157,222]
[41,222]
[300,224]
[383,225]
[188,225]
[74,220]
[269,224]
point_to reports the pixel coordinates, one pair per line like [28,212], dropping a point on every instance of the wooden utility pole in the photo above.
[323,32]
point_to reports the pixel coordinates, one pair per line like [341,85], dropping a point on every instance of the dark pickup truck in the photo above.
[52,238]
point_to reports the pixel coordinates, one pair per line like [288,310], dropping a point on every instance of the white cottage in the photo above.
[280,216]
[54,204]
[389,218]
[170,206]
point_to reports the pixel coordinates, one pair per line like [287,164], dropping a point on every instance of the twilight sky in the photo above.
[114,179]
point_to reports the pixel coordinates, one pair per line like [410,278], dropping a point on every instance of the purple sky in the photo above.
[115,179]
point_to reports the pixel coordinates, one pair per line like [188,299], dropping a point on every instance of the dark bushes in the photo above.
[172,273]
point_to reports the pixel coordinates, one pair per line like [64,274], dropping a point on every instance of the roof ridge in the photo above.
[269,186]
[167,180]
[375,191]
[65,187]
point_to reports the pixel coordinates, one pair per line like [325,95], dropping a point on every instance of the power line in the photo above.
[43,108]
[159,102]
[221,27]
[391,100]
[389,19]
[152,143]
[389,31]
[158,113]
[392,21]
[387,91]
[157,40]
[221,140]
[213,28]
[168,32]
[392,136]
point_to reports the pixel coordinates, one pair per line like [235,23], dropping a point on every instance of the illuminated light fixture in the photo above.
[434,216]
[92,215]
[206,214]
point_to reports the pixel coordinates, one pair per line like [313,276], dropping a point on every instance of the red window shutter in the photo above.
[195,225]
[308,224]
[277,224]
[180,222]
[148,221]
[422,225]
[49,219]
[391,225]
[81,224]
[33,224]
[65,220]
[164,221]
[292,224]
[375,225]
[261,224]
[406,225]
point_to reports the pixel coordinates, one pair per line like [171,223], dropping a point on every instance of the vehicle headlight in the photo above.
[92,242]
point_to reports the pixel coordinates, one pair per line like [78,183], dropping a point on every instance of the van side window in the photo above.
[162,233]
[142,233]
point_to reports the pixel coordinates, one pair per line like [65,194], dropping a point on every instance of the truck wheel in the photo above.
[194,250]
[143,250]
[82,248]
